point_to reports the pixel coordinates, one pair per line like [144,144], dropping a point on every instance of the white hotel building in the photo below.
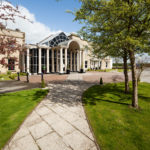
[56,54]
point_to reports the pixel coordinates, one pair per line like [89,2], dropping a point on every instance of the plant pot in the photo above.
[68,72]
[81,71]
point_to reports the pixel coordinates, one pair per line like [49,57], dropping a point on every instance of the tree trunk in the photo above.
[134,80]
[125,58]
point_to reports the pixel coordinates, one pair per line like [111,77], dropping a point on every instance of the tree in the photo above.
[122,24]
[8,45]
[114,51]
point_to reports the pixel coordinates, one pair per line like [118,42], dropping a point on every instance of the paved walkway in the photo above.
[58,123]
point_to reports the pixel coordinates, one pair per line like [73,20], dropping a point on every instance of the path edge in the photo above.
[7,143]
[88,121]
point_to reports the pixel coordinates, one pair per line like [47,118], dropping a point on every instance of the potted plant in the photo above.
[68,69]
[82,70]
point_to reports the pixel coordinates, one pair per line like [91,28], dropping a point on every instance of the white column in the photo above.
[52,60]
[66,59]
[110,64]
[61,60]
[83,61]
[78,60]
[70,60]
[47,61]
[23,62]
[74,61]
[57,68]
[40,71]
[28,60]
[103,64]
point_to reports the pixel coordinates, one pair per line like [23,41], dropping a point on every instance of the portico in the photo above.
[43,59]
[57,54]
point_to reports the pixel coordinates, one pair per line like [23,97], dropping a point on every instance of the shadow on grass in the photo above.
[39,94]
[111,93]
[109,101]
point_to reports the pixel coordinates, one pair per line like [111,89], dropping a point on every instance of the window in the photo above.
[11,64]
[58,39]
[86,64]
[106,64]
[63,56]
[34,60]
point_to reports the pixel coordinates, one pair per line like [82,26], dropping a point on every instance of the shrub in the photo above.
[1,76]
[8,72]
[12,76]
[43,85]
[101,81]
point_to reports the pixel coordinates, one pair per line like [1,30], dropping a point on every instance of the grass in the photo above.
[14,107]
[10,76]
[4,77]
[116,125]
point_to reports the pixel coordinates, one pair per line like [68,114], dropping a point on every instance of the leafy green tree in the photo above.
[114,24]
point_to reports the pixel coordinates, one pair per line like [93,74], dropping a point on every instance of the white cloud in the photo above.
[35,31]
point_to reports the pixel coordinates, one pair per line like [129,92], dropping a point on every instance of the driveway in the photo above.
[12,86]
[59,121]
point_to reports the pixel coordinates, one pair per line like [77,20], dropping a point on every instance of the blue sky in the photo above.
[52,13]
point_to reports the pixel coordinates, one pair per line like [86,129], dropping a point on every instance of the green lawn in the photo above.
[116,125]
[4,77]
[10,76]
[14,107]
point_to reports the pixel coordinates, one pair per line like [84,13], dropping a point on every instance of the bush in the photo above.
[43,85]
[1,76]
[8,72]
[12,76]
[101,81]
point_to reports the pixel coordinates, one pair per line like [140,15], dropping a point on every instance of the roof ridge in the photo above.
[45,38]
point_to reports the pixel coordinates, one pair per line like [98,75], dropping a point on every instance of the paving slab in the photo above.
[63,127]
[52,118]
[52,142]
[78,141]
[43,111]
[82,125]
[21,133]
[26,143]
[58,122]
[44,129]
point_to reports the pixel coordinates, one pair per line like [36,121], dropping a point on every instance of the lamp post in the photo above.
[42,76]
[27,77]
[18,75]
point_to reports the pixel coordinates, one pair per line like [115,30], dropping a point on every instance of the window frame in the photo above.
[11,65]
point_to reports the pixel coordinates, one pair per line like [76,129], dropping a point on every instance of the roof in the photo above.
[54,39]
